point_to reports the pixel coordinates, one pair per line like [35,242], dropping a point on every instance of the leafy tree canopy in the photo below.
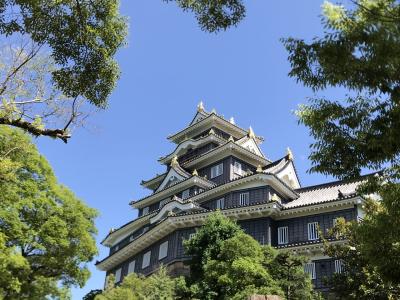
[230,264]
[359,52]
[158,286]
[216,15]
[46,233]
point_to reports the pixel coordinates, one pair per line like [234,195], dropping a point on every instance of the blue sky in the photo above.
[168,66]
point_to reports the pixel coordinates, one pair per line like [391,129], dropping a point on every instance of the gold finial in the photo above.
[232,120]
[231,139]
[275,198]
[174,162]
[195,173]
[211,131]
[251,133]
[289,153]
[200,107]
[259,169]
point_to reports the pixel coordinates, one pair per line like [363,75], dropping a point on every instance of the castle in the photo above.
[218,165]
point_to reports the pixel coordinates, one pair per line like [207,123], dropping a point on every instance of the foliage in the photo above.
[214,15]
[359,52]
[82,35]
[360,279]
[158,286]
[46,233]
[238,266]
[230,264]
[288,270]
[207,242]
[92,294]
[29,99]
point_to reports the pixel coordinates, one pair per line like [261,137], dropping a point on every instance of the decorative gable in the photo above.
[251,145]
[288,175]
[174,175]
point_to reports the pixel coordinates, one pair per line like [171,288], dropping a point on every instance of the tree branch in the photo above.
[29,127]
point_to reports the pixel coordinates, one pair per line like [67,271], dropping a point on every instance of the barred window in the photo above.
[185,194]
[118,275]
[146,260]
[220,203]
[131,266]
[237,168]
[283,236]
[309,268]
[163,252]
[217,170]
[338,266]
[244,199]
[313,231]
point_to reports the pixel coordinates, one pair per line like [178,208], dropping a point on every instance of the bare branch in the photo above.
[34,130]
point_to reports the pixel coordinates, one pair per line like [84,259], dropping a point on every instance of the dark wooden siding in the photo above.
[191,153]
[192,191]
[257,228]
[297,227]
[324,269]
[224,177]
[256,195]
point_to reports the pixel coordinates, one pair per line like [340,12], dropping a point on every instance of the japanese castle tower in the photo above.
[219,165]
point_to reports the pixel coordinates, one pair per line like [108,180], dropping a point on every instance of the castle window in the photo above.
[309,268]
[163,252]
[131,266]
[220,203]
[313,231]
[118,275]
[338,266]
[146,259]
[237,168]
[185,194]
[145,210]
[283,237]
[217,170]
[244,199]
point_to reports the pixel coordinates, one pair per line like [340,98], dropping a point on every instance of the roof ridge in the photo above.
[332,183]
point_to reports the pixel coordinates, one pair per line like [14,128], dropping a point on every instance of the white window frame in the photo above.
[145,211]
[338,266]
[220,203]
[146,259]
[217,170]
[312,231]
[185,194]
[131,267]
[118,273]
[309,268]
[244,199]
[237,168]
[163,250]
[283,235]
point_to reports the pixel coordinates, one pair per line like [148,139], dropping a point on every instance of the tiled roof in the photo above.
[324,193]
